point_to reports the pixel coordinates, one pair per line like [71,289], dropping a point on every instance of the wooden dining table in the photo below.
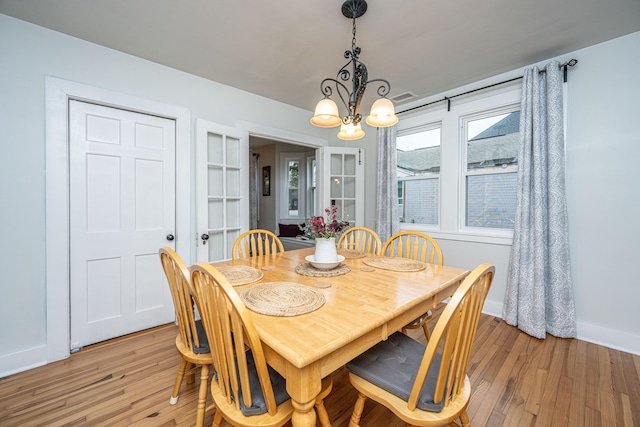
[362,307]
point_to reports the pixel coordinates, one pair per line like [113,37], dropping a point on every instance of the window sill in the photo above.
[465,236]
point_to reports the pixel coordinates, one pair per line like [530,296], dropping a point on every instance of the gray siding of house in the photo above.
[422,198]
[491,200]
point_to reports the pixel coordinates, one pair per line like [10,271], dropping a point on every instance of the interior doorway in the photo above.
[281,160]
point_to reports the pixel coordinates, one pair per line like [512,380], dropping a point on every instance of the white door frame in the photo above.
[289,137]
[57,94]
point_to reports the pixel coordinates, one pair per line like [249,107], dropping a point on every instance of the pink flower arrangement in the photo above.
[316,226]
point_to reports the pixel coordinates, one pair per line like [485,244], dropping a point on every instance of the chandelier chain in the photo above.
[353,40]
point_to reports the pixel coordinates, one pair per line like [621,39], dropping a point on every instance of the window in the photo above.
[490,169]
[418,152]
[465,190]
[293,167]
[292,186]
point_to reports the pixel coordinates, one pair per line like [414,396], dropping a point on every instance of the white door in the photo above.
[292,183]
[342,181]
[121,211]
[222,189]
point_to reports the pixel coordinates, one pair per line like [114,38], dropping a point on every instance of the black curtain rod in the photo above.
[564,67]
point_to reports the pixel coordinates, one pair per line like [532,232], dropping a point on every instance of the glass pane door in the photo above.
[344,172]
[221,181]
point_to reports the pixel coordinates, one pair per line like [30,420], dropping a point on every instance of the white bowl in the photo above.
[324,265]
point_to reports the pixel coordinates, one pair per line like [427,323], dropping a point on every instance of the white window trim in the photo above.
[417,129]
[451,210]
[464,120]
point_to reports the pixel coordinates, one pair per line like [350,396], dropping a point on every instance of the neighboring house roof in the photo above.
[509,124]
[495,146]
[422,160]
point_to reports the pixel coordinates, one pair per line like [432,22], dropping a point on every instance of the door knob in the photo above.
[204,238]
[170,237]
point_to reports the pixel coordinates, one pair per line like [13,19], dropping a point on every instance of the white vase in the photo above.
[326,249]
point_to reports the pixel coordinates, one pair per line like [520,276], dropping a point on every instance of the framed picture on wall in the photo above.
[266,181]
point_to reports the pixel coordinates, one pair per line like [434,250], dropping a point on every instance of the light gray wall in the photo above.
[267,203]
[603,146]
[602,153]
[28,53]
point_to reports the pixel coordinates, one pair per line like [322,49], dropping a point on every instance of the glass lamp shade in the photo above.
[326,114]
[383,114]
[350,132]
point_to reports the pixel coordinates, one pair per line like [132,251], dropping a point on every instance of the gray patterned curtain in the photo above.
[387,222]
[539,296]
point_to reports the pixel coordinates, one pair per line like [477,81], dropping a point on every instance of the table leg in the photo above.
[304,414]
[303,385]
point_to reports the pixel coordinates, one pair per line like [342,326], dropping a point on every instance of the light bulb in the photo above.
[382,113]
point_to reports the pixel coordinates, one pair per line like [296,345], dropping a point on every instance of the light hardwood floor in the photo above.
[517,381]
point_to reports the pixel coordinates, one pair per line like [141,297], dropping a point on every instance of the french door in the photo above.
[342,181]
[222,189]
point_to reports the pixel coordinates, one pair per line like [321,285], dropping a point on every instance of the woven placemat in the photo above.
[394,263]
[350,253]
[281,298]
[240,274]
[307,269]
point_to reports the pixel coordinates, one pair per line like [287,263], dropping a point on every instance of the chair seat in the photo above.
[415,417]
[392,365]
[202,337]
[259,405]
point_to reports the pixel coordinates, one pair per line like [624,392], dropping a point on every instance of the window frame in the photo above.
[410,131]
[464,121]
[499,98]
[283,195]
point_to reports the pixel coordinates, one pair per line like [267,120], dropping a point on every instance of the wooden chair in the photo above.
[256,242]
[420,247]
[426,386]
[246,391]
[191,342]
[361,239]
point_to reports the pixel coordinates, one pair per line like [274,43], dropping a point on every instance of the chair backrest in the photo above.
[413,245]
[228,326]
[453,338]
[256,242]
[179,283]
[361,239]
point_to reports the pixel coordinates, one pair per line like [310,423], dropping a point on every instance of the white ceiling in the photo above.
[282,49]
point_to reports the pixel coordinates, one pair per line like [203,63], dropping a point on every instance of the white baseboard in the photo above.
[611,338]
[23,360]
[492,308]
[595,334]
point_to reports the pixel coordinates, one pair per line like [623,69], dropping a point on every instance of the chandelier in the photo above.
[326,113]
